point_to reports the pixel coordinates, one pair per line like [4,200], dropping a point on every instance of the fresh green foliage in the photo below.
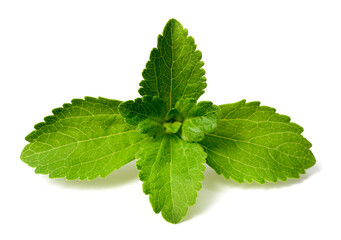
[150,127]
[171,170]
[173,115]
[170,133]
[85,139]
[253,142]
[174,69]
[143,108]
[172,127]
[146,112]
[198,119]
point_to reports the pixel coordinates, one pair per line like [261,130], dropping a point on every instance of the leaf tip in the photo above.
[173,21]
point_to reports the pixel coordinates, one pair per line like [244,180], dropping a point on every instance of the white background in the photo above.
[286,54]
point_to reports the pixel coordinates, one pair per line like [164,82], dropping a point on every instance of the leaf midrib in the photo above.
[255,144]
[75,142]
[171,80]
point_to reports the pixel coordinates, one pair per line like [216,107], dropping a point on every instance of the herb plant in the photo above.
[170,133]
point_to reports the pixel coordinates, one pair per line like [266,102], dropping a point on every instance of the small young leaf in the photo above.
[253,142]
[184,106]
[173,115]
[136,111]
[151,128]
[199,118]
[147,112]
[171,170]
[172,127]
[85,139]
[174,69]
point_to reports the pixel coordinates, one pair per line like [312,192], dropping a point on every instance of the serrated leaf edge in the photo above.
[286,119]
[141,173]
[57,112]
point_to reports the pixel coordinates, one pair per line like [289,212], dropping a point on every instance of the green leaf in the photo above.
[146,112]
[171,170]
[85,139]
[174,69]
[150,127]
[172,127]
[254,143]
[173,115]
[199,118]
[136,111]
